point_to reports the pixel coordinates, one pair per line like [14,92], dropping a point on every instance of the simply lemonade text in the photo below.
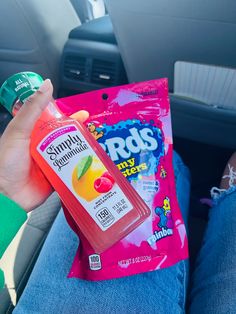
[61,153]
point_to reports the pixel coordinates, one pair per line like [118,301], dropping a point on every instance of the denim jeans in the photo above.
[49,291]
[214,279]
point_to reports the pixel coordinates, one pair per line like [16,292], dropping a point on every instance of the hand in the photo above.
[19,174]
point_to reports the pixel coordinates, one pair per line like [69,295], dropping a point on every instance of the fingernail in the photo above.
[45,86]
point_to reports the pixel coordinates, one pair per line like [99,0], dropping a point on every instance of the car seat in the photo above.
[88,10]
[33,34]
[20,256]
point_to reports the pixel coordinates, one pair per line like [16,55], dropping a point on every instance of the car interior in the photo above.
[84,45]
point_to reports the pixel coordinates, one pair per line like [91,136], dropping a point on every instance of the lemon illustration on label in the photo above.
[86,172]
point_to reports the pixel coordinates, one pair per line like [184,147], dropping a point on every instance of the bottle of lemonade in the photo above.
[101,201]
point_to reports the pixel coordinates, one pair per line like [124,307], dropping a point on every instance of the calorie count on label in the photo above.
[105,217]
[120,206]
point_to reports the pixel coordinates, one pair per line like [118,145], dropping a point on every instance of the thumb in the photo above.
[80,116]
[24,121]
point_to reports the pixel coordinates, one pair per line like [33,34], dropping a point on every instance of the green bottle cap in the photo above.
[19,86]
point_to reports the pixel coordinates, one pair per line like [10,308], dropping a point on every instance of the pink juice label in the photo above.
[72,158]
[55,135]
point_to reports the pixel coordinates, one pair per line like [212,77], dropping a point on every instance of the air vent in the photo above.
[103,72]
[75,67]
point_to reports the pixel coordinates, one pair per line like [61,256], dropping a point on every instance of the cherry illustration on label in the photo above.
[108,176]
[103,185]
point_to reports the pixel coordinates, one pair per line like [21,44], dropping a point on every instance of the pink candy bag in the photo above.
[133,125]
